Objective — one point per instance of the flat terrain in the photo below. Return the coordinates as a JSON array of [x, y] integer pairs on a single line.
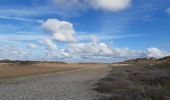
[[66, 84], [138, 79], [12, 70]]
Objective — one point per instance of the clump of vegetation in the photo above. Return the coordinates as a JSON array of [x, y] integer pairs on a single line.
[[165, 59], [140, 60], [148, 81], [28, 62], [6, 61], [164, 64]]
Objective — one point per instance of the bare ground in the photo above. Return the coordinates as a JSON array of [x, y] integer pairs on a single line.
[[63, 85]]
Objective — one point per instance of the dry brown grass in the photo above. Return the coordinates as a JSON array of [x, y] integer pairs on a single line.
[[11, 70]]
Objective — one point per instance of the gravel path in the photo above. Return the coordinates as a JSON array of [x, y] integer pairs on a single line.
[[71, 85]]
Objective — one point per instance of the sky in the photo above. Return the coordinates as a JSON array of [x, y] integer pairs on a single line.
[[84, 30]]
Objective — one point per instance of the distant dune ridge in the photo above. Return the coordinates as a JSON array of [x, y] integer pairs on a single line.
[[138, 60], [165, 58]]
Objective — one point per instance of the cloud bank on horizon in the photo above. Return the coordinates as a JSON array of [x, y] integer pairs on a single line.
[[82, 30]]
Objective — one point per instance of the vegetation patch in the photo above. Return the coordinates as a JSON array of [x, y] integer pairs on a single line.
[[140, 81]]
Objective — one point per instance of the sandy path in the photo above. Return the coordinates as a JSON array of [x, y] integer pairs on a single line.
[[70, 85]]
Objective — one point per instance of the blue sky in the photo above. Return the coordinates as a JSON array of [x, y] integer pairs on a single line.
[[84, 30]]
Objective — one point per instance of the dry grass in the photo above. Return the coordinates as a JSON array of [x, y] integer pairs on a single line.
[[20, 69], [136, 82]]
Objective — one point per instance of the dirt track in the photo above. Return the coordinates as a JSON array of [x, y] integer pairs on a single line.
[[68, 85]]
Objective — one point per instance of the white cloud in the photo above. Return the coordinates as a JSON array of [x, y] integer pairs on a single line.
[[66, 8], [60, 30], [168, 10], [155, 52], [98, 51], [110, 5], [21, 19], [94, 48], [18, 53], [90, 49], [74, 7], [49, 43], [32, 46], [126, 53], [101, 51]]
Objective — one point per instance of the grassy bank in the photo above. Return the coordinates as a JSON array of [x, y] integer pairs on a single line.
[[137, 81]]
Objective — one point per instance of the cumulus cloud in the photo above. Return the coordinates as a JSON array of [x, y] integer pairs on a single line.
[[60, 30], [155, 52], [110, 5], [94, 51], [88, 49], [101, 51], [93, 48], [168, 10], [49, 43], [126, 53], [32, 46], [97, 50]]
